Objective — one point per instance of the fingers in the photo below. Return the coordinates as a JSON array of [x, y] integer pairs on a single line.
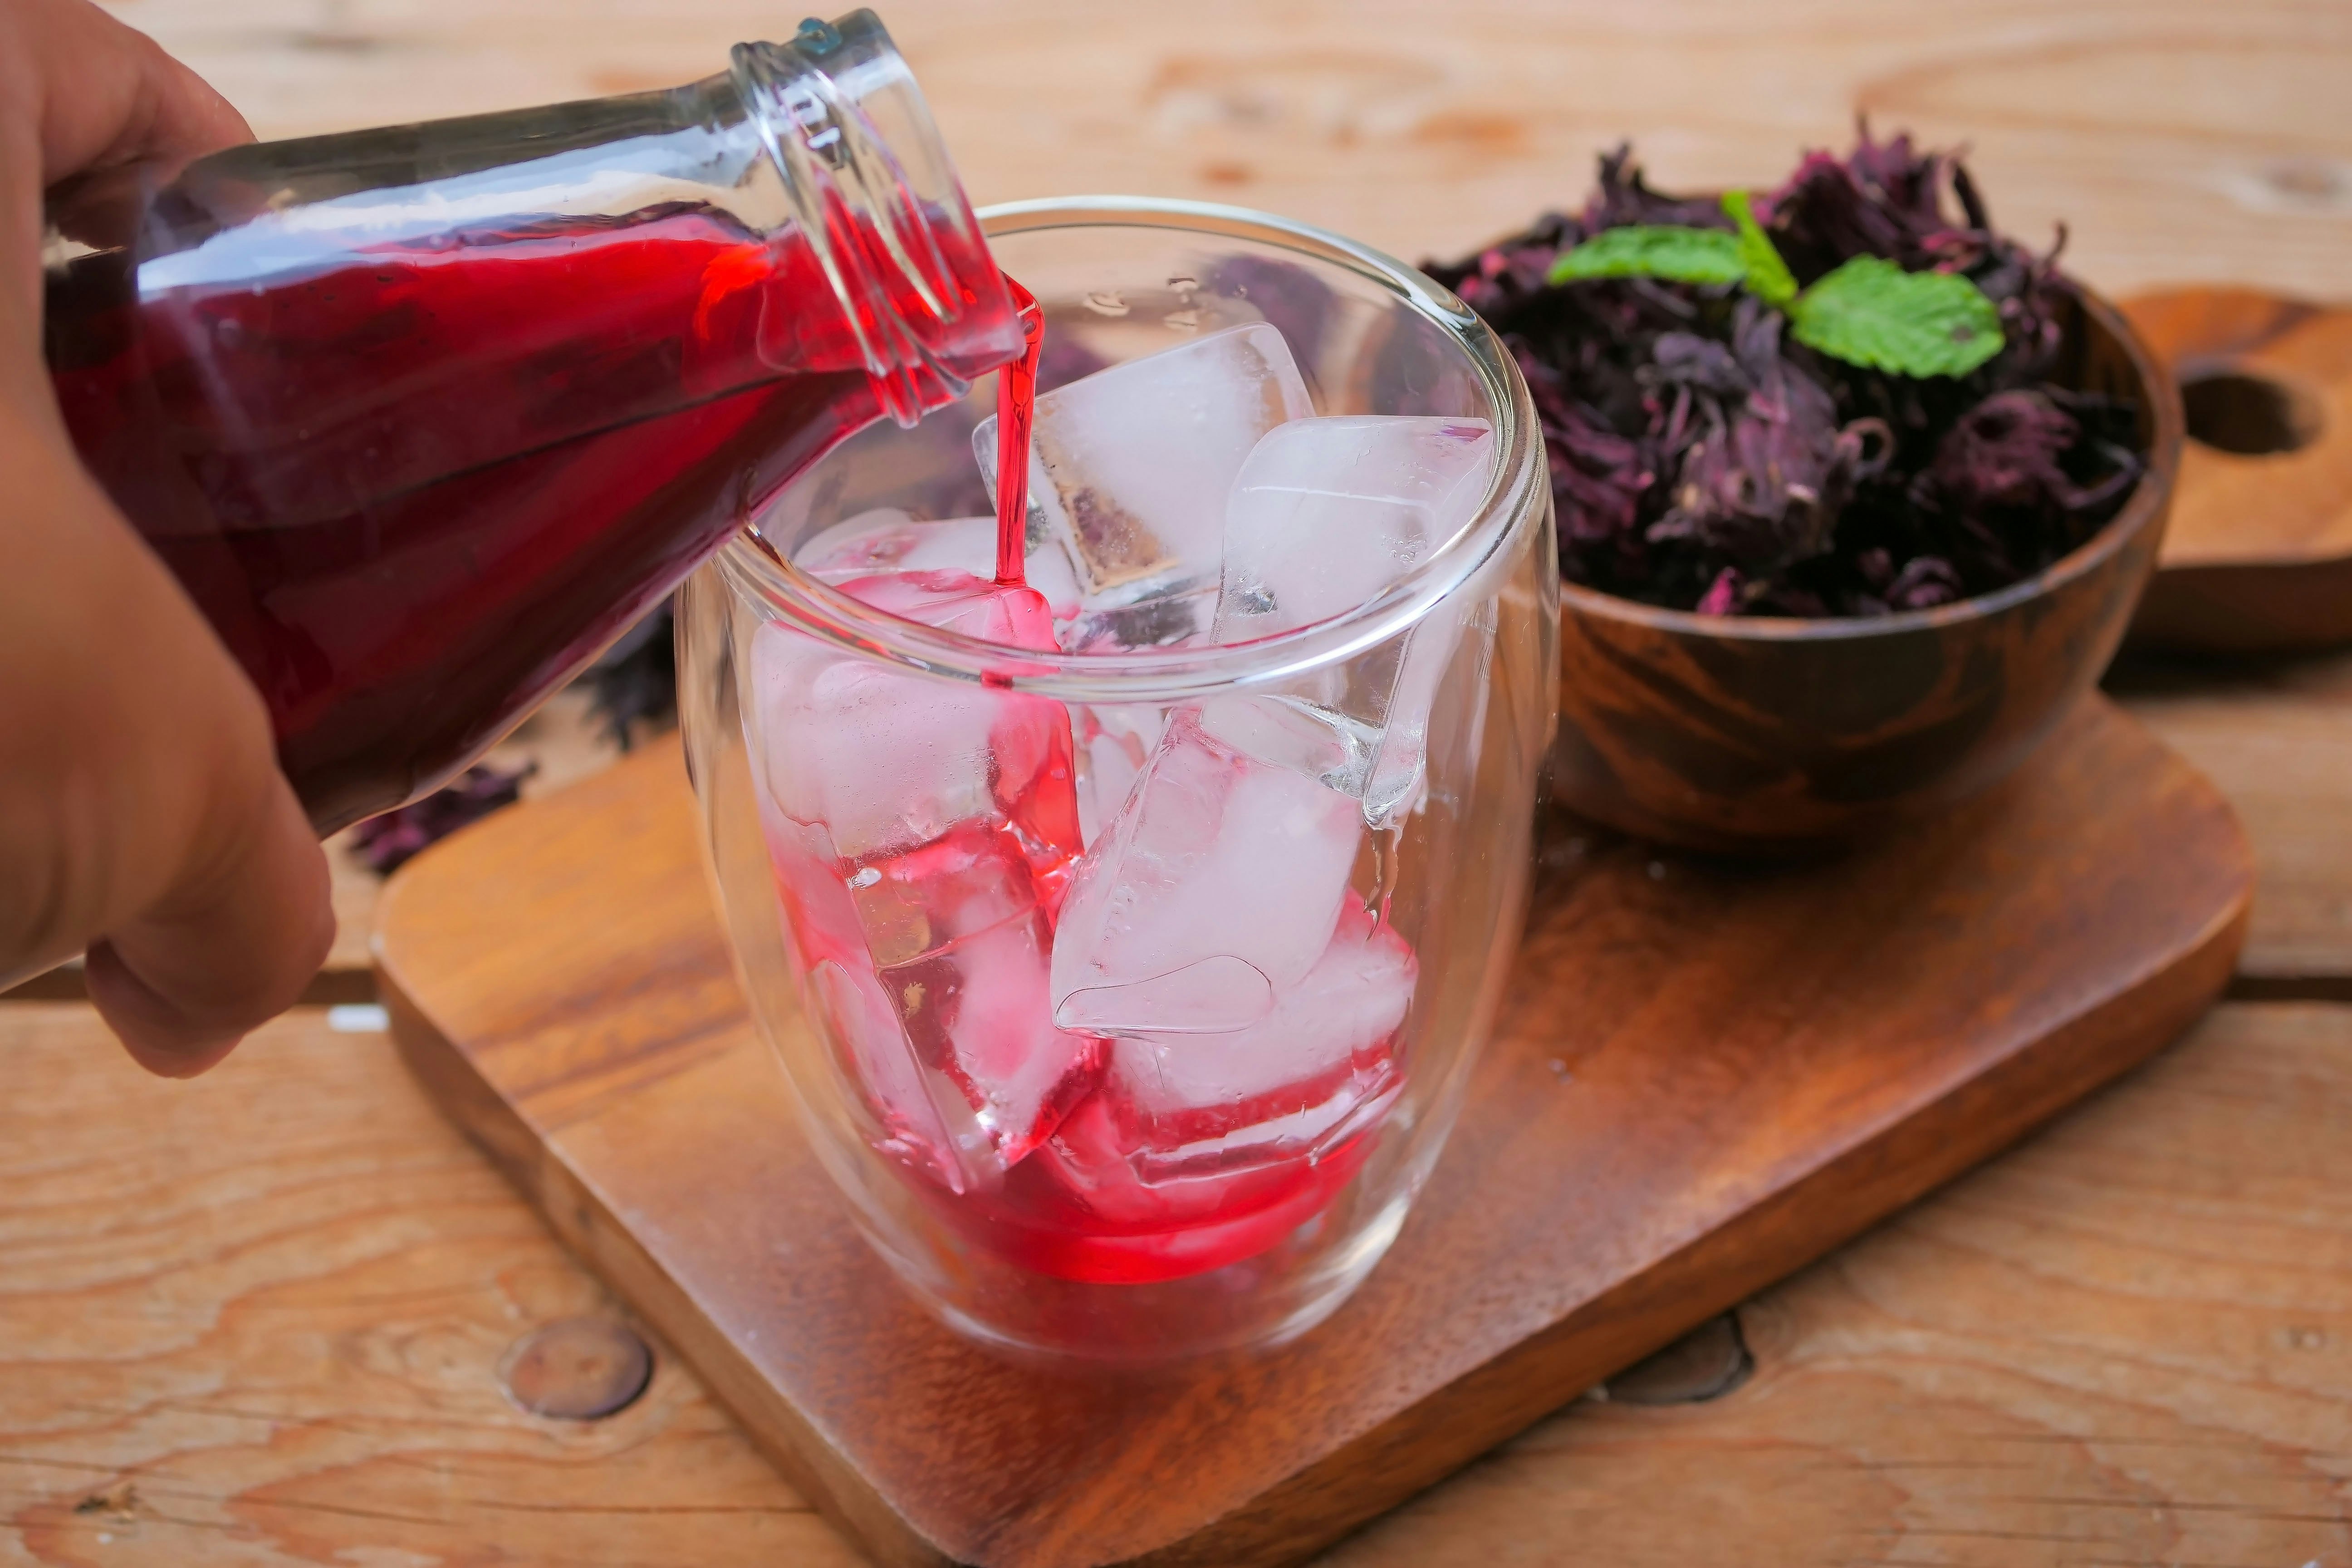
[[231, 943], [105, 93], [80, 91], [143, 814]]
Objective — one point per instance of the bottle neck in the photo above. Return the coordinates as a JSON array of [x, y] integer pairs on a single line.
[[873, 203]]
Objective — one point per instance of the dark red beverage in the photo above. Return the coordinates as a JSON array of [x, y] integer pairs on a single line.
[[925, 953], [424, 417], [1016, 415], [403, 568]]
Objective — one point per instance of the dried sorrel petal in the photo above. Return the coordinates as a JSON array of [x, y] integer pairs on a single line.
[[1701, 459], [1767, 468], [1063, 359], [1925, 581], [388, 842], [634, 681], [1299, 304]]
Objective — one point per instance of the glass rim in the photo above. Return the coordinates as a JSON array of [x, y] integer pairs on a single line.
[[1513, 503]]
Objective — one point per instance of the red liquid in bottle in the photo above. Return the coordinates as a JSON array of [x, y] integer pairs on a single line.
[[404, 569]]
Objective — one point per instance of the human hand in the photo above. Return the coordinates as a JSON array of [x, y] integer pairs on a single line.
[[143, 814]]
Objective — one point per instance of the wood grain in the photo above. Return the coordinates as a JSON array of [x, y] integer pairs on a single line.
[[558, 744], [2276, 736], [1704, 1078], [1921, 1384], [2126, 1342], [2259, 555], [256, 1320], [2178, 144]]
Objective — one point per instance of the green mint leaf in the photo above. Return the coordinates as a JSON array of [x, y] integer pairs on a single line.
[[1871, 312], [1769, 277], [1654, 251]]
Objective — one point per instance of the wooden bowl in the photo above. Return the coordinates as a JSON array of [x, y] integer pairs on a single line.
[[1783, 735], [2259, 555]]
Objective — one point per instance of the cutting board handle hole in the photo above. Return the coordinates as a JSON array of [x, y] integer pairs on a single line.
[[2238, 410]]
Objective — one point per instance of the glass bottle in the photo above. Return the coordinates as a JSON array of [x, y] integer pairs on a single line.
[[424, 417]]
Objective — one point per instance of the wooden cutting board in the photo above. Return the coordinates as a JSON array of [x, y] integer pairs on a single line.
[[2258, 555], [1705, 1076]]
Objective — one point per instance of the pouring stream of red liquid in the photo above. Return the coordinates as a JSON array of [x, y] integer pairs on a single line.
[[1016, 411]]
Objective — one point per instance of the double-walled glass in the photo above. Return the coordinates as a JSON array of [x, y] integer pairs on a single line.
[[1086, 1245]]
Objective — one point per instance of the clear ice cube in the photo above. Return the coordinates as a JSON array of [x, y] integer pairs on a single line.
[[1398, 775], [886, 539], [962, 947], [1212, 890], [923, 833], [1327, 512], [886, 759], [925, 1119], [1114, 740], [1220, 1216], [1318, 1070], [929, 969], [1172, 619], [1323, 516], [1130, 467]]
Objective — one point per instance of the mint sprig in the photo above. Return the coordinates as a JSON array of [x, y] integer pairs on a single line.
[[1867, 311], [1769, 277], [1873, 313], [1655, 251]]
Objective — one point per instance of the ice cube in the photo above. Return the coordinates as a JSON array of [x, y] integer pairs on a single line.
[[925, 1120], [1315, 739], [1315, 1072], [1114, 741], [1159, 620], [1211, 891], [962, 947], [929, 970], [1397, 777], [884, 758], [1192, 1222], [923, 831], [886, 539], [1326, 514], [1131, 467]]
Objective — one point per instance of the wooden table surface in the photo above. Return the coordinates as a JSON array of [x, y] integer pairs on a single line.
[[259, 1319]]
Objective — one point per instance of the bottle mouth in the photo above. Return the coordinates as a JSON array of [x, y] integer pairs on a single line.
[[1515, 501], [874, 199]]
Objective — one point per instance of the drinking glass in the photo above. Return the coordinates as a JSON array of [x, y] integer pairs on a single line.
[[1077, 1235]]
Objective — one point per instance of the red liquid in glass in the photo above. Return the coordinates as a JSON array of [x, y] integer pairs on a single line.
[[405, 560], [1070, 1206]]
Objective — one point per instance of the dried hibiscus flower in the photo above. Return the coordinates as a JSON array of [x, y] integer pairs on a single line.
[[388, 842], [1831, 400]]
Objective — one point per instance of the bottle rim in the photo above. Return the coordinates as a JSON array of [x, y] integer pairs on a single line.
[[1517, 500], [873, 213]]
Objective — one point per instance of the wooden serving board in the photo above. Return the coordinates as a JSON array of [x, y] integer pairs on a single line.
[[2258, 555], [1704, 1078]]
